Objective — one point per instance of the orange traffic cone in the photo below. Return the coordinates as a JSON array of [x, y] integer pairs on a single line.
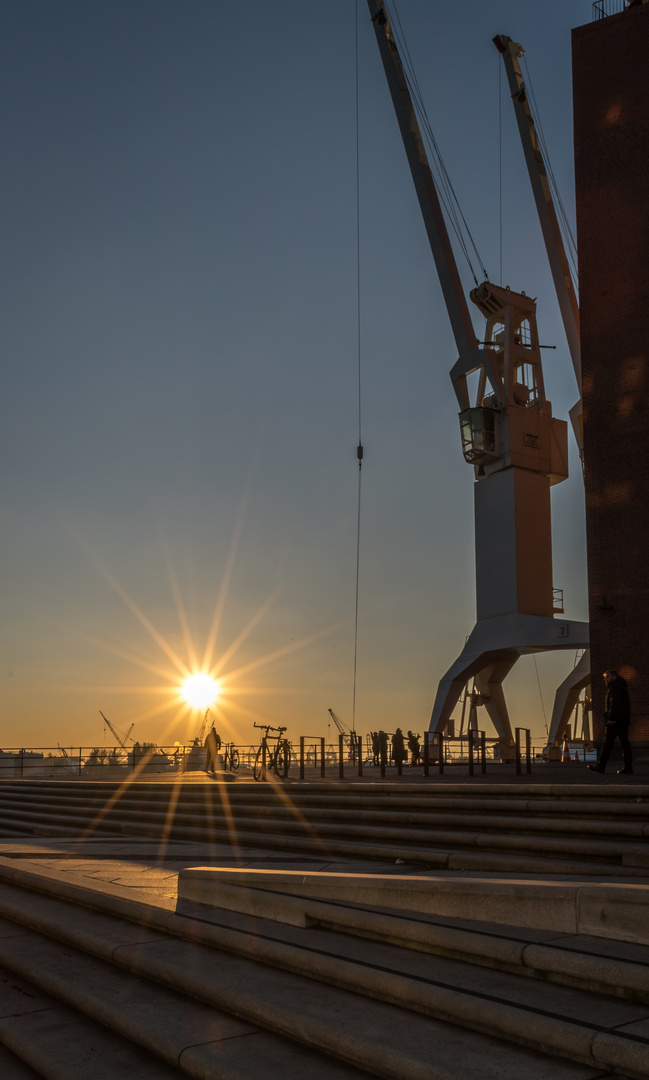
[[566, 751]]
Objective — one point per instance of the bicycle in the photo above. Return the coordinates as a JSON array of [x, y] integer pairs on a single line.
[[278, 757], [231, 757]]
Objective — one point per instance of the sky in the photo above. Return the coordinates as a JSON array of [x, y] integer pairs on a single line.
[[184, 298]]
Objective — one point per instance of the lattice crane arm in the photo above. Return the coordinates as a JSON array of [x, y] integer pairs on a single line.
[[454, 297]]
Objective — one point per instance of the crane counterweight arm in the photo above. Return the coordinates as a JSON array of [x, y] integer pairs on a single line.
[[429, 202]]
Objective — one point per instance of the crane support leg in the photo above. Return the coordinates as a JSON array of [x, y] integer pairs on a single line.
[[566, 698], [491, 651]]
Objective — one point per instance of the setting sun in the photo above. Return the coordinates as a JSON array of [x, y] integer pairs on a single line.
[[200, 691]]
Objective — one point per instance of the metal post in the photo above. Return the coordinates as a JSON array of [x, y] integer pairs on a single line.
[[263, 759], [384, 756], [285, 754], [301, 757], [426, 754], [341, 764], [360, 756], [80, 749], [322, 757], [483, 752], [22, 760], [440, 743], [528, 750], [470, 735], [518, 751]]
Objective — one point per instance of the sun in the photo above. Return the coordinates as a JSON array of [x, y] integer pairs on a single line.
[[200, 691]]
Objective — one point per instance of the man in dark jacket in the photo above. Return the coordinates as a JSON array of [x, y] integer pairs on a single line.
[[617, 715]]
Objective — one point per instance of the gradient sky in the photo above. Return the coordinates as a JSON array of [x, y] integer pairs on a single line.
[[180, 407]]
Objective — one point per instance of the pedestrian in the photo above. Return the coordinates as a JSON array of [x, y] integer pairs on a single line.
[[414, 748], [383, 747], [376, 747], [617, 717], [399, 754], [212, 747]]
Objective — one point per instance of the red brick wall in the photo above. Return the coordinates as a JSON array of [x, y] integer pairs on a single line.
[[611, 117]]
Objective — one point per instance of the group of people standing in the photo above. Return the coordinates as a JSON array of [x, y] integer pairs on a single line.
[[399, 752]]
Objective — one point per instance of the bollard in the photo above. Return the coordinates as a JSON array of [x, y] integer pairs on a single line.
[[341, 764], [360, 755], [322, 757], [80, 749], [384, 758], [517, 750], [301, 757], [263, 760], [440, 744], [287, 757], [483, 752], [470, 734], [426, 755], [528, 750]]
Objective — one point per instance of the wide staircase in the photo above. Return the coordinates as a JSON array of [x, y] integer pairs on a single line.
[[505, 828], [273, 984]]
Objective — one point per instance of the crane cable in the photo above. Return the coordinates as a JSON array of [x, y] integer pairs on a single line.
[[359, 450]]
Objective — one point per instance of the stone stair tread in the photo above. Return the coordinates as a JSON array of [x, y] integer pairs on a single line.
[[59, 1043], [606, 966], [183, 1032], [12, 1068], [366, 1033]]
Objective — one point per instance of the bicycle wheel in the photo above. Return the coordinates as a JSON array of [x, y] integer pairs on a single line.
[[256, 772], [282, 761], [234, 760]]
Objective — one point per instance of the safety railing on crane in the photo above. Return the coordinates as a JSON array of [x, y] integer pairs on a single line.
[[603, 8]]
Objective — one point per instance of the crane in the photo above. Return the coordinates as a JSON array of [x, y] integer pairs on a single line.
[[568, 692], [343, 728], [518, 450], [201, 734], [121, 742]]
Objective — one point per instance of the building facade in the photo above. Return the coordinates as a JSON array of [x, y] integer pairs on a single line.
[[611, 132]]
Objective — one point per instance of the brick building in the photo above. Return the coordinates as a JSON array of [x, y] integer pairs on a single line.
[[611, 128]]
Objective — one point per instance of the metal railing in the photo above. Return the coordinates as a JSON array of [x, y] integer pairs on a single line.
[[310, 757], [603, 8]]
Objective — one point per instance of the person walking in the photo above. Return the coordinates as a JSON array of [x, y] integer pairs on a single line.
[[399, 753], [617, 716], [376, 748], [414, 748], [212, 747]]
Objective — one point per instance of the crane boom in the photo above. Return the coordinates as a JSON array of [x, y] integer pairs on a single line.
[[457, 307], [342, 727], [511, 51], [120, 742]]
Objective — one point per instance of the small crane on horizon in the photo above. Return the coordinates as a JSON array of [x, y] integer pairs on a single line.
[[120, 741]]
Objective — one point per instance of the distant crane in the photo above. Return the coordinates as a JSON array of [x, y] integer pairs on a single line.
[[347, 733], [343, 728], [121, 742], [201, 734]]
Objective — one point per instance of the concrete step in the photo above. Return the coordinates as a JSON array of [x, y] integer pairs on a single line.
[[328, 823], [391, 1022], [534, 929], [55, 1042]]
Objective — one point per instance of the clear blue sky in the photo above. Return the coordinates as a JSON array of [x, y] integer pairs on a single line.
[[180, 353]]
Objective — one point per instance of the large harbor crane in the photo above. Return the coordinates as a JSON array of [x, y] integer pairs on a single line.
[[518, 450]]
